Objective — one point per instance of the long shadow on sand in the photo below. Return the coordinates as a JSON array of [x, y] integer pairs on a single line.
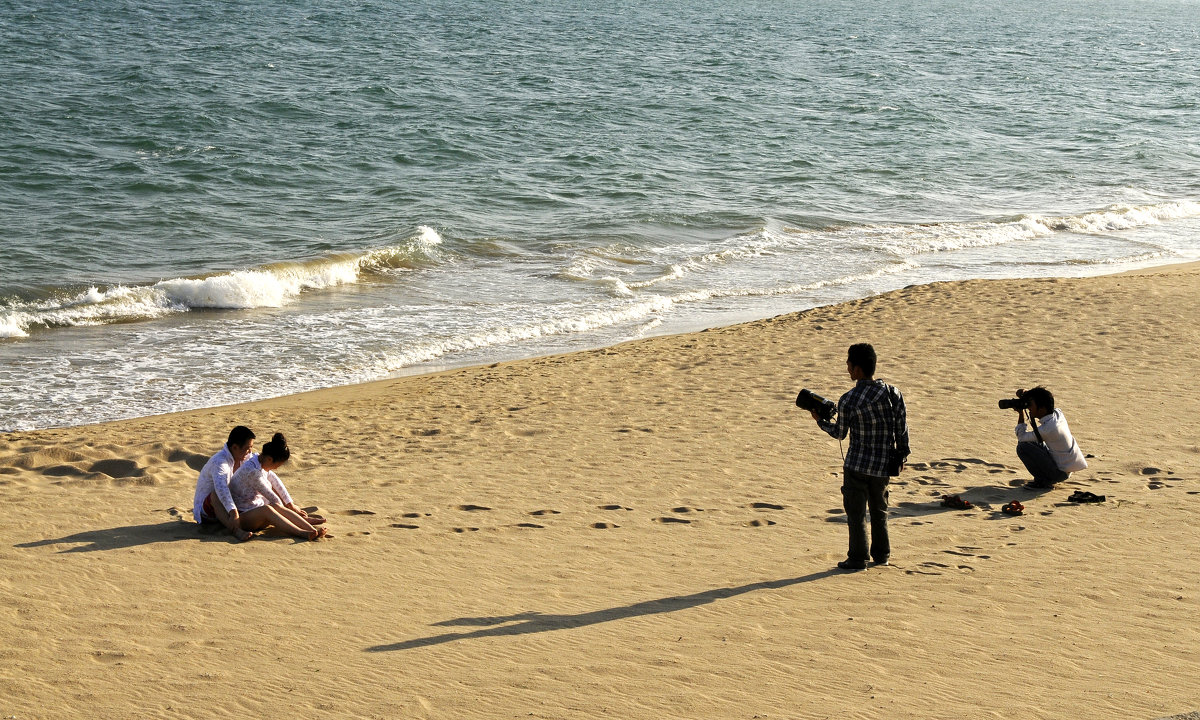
[[982, 496], [131, 536], [529, 623]]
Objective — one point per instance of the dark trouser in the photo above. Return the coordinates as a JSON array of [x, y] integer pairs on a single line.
[[860, 492], [1040, 463]]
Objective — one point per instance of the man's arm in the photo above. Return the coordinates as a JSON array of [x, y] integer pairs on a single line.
[[221, 480], [840, 426]]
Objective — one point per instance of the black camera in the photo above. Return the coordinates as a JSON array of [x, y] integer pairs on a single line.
[[808, 400], [1020, 402]]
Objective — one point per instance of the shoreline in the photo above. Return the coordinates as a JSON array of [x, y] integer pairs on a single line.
[[474, 364], [646, 530]]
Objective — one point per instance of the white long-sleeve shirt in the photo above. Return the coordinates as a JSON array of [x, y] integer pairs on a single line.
[[252, 487], [1058, 439], [215, 476]]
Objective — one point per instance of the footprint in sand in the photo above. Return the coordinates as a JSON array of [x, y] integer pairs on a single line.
[[760, 523], [405, 526], [529, 525], [961, 553], [668, 520], [931, 569], [545, 512], [605, 525], [472, 508], [466, 529], [356, 512], [685, 509], [414, 515], [614, 507], [929, 480], [955, 466], [764, 506], [193, 460]]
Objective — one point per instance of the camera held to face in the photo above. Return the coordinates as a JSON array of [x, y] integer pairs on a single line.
[[1020, 402], [808, 400]]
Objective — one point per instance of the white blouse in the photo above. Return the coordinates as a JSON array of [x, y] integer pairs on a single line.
[[253, 487]]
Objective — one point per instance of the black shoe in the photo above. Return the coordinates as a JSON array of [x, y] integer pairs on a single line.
[[1038, 485], [880, 563], [852, 565]]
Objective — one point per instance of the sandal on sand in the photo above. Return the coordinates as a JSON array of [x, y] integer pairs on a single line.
[[1013, 508], [954, 501], [1082, 496]]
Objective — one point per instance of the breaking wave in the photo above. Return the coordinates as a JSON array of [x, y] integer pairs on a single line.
[[268, 286]]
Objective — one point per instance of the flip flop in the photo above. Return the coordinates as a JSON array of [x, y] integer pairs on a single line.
[[954, 501], [1081, 496], [1013, 508]]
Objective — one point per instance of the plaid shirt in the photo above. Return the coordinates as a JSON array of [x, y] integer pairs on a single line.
[[868, 413]]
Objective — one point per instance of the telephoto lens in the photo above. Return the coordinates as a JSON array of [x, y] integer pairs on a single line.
[[808, 400]]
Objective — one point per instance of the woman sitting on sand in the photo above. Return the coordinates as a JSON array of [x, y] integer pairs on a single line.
[[263, 501]]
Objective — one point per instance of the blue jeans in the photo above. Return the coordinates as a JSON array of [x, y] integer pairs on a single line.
[[1040, 463], [860, 492]]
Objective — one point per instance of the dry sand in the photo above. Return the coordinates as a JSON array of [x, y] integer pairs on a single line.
[[645, 531]]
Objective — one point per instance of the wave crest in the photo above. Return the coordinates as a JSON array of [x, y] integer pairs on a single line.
[[272, 286]]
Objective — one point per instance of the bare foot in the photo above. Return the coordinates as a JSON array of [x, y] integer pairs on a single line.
[[242, 535], [323, 533], [314, 519]]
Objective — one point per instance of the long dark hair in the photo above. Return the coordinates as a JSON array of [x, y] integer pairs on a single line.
[[277, 449]]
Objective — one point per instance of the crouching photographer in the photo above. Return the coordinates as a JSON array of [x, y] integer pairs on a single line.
[[874, 416], [1045, 443]]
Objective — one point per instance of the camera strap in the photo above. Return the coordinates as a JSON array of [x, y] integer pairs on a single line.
[[1036, 432]]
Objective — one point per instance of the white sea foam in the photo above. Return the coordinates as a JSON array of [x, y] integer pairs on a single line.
[[648, 309], [11, 325], [909, 240], [266, 287]]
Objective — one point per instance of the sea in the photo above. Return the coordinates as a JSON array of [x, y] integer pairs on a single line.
[[205, 203]]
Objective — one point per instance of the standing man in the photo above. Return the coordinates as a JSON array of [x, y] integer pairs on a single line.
[[874, 416], [1049, 452], [213, 503]]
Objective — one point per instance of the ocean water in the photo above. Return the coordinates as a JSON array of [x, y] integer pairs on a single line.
[[203, 203]]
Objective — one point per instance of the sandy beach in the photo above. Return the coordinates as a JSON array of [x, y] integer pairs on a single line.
[[645, 531]]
